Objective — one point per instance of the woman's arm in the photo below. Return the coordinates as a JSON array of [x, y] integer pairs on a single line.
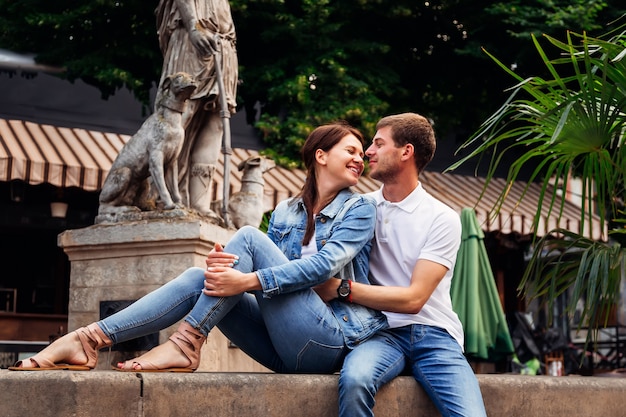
[[348, 238], [352, 234]]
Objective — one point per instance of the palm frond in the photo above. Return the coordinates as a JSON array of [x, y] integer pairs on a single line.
[[570, 124], [565, 263]]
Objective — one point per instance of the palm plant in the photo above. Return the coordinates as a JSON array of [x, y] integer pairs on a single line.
[[569, 124]]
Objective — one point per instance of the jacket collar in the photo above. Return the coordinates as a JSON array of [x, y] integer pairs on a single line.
[[331, 209]]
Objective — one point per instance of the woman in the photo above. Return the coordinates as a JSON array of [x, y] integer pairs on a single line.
[[264, 300]]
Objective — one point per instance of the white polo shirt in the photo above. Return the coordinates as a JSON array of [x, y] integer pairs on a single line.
[[418, 227]]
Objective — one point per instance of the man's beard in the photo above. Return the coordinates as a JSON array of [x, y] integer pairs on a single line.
[[385, 173]]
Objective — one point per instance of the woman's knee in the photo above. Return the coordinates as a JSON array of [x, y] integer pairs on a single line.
[[247, 233], [245, 240], [193, 272], [193, 276]]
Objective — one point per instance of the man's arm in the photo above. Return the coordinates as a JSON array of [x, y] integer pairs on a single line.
[[425, 277]]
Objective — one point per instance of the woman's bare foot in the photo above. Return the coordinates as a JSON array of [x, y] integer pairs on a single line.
[[76, 351], [67, 350], [161, 358]]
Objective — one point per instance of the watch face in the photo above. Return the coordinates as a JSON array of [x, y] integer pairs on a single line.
[[344, 289]]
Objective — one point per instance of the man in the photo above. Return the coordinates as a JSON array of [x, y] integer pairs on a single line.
[[190, 33], [411, 264]]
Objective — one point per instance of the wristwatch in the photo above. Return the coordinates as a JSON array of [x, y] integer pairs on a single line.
[[343, 292]]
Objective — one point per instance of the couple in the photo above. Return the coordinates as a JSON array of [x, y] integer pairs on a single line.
[[271, 294]]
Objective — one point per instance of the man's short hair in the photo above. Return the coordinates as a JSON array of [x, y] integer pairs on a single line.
[[414, 129]]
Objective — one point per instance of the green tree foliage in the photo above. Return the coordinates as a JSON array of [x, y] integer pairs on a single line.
[[108, 44], [306, 62]]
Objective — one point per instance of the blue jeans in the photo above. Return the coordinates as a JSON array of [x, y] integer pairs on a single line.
[[295, 332], [433, 357]]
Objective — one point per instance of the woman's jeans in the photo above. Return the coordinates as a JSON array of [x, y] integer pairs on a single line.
[[295, 332], [432, 356]]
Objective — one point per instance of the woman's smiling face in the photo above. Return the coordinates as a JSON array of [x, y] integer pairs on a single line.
[[344, 161]]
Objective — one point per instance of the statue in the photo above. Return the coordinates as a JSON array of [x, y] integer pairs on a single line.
[[147, 165], [246, 205], [197, 37], [190, 33]]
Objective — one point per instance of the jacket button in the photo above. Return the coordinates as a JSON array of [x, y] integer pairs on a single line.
[[345, 318], [323, 220], [323, 242]]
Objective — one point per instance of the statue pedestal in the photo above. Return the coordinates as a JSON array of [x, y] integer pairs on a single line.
[[124, 261]]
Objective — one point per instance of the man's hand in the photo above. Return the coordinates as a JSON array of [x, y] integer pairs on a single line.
[[217, 257], [328, 289]]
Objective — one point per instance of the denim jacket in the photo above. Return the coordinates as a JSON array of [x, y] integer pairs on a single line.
[[343, 240]]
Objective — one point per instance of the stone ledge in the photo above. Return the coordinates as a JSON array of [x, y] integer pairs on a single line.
[[112, 394]]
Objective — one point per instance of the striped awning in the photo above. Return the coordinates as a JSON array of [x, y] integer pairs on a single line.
[[72, 157], [518, 210], [60, 156]]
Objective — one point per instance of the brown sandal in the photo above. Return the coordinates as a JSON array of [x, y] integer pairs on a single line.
[[92, 339], [41, 364], [187, 339]]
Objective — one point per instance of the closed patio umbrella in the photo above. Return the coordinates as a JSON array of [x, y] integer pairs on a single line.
[[475, 296]]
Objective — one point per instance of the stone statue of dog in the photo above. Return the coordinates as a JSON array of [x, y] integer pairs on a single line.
[[149, 160], [245, 207]]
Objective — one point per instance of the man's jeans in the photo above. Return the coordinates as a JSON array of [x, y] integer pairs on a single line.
[[295, 332], [433, 357]]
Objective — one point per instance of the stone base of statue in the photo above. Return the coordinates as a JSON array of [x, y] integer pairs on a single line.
[[113, 264]]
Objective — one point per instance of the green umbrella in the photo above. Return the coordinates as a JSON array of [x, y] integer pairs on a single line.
[[475, 296]]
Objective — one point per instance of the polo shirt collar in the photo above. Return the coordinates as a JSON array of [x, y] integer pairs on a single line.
[[410, 202]]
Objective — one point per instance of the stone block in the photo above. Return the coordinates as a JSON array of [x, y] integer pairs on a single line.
[[115, 261], [226, 394], [79, 394]]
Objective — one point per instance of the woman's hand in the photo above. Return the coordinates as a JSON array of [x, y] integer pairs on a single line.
[[217, 257], [226, 281]]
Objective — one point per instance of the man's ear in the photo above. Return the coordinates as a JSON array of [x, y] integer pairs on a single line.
[[408, 151], [320, 156]]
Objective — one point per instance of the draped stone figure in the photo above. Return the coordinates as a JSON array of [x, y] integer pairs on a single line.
[[190, 32]]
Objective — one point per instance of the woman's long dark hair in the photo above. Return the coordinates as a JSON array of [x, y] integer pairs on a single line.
[[324, 137]]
